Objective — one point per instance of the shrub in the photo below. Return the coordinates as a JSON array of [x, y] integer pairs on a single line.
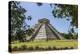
[[30, 48], [49, 48], [23, 47], [54, 48], [15, 48], [60, 48], [65, 48], [41, 49], [37, 48], [71, 48]]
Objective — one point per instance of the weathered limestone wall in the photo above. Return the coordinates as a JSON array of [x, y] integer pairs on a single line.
[[42, 33]]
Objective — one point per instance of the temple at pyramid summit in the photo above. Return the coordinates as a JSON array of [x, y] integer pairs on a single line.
[[45, 31]]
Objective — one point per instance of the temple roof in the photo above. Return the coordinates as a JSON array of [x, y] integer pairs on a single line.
[[43, 20]]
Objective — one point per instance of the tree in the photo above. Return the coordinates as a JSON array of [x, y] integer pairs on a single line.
[[17, 17], [21, 35], [39, 4], [64, 10], [29, 17], [30, 31]]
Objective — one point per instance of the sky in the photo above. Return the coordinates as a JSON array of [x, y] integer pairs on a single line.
[[44, 11]]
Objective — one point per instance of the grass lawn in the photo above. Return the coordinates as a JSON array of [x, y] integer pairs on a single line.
[[45, 44]]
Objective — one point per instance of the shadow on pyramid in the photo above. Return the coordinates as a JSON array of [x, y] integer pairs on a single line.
[[45, 31]]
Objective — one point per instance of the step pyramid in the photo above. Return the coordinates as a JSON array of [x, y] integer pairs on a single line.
[[45, 31]]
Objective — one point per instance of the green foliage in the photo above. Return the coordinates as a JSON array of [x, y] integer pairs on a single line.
[[15, 49], [23, 47], [39, 4], [75, 36], [17, 20], [29, 17], [17, 16], [37, 48], [70, 36], [12, 38], [30, 31], [21, 36], [63, 11], [45, 45]]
